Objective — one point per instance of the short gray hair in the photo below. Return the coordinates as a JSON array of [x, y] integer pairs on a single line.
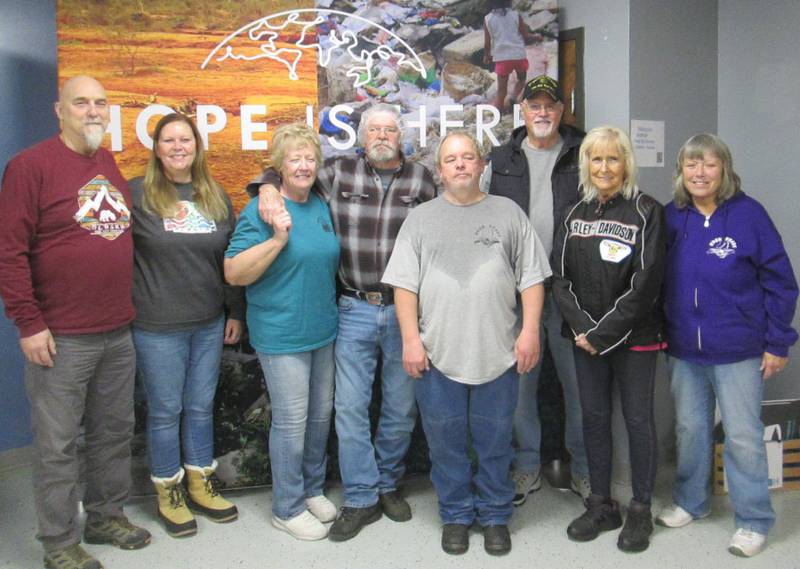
[[373, 110], [696, 148]]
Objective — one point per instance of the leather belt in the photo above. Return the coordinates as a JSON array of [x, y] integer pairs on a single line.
[[376, 298]]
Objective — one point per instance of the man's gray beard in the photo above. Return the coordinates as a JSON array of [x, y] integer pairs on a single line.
[[382, 154], [93, 135], [540, 132]]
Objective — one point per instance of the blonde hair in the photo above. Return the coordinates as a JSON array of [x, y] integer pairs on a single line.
[[161, 196], [291, 137], [696, 148], [607, 135]]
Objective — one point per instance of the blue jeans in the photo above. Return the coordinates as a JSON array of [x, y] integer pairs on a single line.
[[737, 387], [456, 415], [634, 373], [179, 371], [370, 468], [301, 396], [527, 427]]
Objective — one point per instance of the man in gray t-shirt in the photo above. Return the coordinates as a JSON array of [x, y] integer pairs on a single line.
[[458, 266]]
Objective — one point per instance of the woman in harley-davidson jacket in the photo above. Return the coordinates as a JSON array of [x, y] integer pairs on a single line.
[[610, 257]]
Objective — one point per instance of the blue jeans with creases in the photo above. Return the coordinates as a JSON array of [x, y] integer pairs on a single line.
[[455, 415], [738, 388], [179, 370], [527, 427], [300, 390], [371, 467]]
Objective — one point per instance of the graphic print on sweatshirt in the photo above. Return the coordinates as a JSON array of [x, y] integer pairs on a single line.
[[188, 219], [721, 247], [102, 209]]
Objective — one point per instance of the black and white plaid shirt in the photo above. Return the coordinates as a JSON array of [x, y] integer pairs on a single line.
[[366, 218]]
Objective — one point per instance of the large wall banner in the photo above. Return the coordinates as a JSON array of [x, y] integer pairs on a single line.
[[242, 68]]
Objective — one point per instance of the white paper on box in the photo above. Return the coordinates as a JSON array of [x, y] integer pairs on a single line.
[[774, 443]]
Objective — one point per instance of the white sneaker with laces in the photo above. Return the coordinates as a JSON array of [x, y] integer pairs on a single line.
[[746, 543], [322, 508], [581, 486], [525, 483], [303, 526], [673, 516]]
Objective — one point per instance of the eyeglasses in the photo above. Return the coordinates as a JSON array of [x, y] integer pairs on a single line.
[[382, 129], [548, 108]]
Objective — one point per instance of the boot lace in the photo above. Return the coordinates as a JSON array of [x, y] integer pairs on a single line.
[[177, 496]]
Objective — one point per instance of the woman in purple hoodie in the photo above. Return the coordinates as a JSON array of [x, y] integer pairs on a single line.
[[730, 296]]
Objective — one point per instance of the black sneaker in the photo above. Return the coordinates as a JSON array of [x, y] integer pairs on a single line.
[[635, 535], [601, 515], [395, 507], [351, 520], [496, 540], [455, 538]]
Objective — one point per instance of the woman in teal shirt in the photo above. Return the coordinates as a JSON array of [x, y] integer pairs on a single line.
[[289, 270]]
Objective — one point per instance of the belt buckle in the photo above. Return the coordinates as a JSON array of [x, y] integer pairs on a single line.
[[374, 297]]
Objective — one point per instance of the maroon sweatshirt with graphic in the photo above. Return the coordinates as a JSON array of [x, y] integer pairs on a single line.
[[66, 251]]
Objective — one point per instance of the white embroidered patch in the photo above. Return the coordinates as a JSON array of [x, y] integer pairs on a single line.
[[614, 251]]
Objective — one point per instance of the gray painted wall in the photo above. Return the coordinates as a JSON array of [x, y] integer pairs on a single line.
[[673, 73], [759, 118], [28, 76], [606, 61]]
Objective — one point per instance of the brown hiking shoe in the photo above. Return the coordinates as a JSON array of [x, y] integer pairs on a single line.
[[71, 557], [115, 531]]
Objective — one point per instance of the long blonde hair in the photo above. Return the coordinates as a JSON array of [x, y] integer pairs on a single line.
[[617, 137], [160, 194]]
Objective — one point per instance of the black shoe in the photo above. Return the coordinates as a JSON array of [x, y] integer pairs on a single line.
[[635, 535], [601, 515], [496, 540], [395, 507], [351, 520], [455, 538]]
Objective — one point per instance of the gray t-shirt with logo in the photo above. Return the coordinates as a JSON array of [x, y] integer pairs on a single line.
[[466, 264]]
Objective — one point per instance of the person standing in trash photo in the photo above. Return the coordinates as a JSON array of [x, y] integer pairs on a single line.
[[504, 36]]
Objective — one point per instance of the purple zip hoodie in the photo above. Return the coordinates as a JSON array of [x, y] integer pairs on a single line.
[[730, 291]]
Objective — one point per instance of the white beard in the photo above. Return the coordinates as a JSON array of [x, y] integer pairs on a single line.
[[381, 154], [541, 131], [93, 135]]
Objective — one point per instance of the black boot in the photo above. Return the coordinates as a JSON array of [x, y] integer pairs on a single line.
[[635, 536], [602, 514]]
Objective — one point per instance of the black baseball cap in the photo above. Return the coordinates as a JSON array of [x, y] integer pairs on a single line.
[[543, 84]]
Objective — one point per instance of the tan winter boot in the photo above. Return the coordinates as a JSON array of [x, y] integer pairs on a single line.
[[204, 496], [178, 519]]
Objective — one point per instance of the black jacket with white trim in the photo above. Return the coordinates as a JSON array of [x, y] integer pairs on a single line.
[[609, 265]]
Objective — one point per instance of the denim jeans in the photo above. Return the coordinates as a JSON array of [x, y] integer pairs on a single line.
[[634, 374], [91, 382], [527, 427], [455, 415], [301, 396], [179, 371], [737, 387], [370, 468]]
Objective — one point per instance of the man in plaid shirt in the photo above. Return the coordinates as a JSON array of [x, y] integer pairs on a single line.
[[370, 196]]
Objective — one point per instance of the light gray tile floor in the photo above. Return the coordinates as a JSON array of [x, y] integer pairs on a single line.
[[538, 534]]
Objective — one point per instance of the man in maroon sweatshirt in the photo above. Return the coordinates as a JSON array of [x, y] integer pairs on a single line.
[[66, 257]]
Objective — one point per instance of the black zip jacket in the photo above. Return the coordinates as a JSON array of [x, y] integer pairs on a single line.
[[610, 261], [510, 172]]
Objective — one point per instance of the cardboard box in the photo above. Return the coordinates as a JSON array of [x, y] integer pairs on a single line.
[[783, 456]]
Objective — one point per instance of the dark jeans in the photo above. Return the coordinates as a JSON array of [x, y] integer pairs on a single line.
[[634, 373]]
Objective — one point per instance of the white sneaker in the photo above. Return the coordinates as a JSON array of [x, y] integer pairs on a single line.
[[581, 486], [525, 483], [303, 526], [673, 516], [746, 543], [322, 508]]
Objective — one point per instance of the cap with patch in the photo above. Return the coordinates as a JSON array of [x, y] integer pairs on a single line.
[[543, 84]]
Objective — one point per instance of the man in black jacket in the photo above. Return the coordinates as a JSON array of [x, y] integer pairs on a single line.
[[538, 169]]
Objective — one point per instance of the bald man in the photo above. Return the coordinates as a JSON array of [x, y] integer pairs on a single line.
[[66, 257]]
